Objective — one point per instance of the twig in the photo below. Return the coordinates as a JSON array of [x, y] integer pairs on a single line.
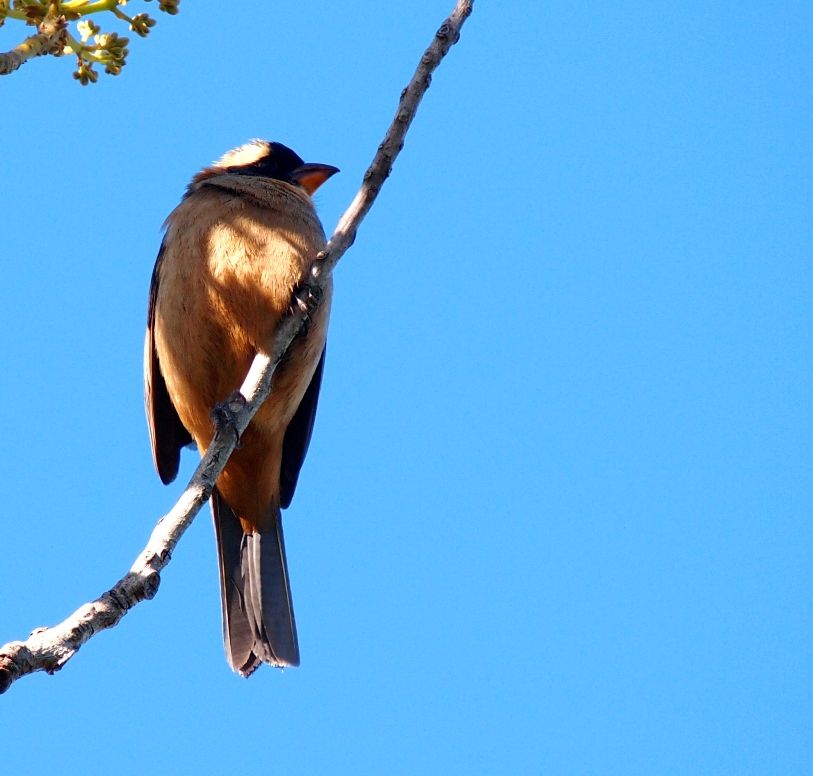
[[50, 37], [48, 649]]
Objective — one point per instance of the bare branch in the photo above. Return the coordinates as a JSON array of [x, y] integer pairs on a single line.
[[48, 649]]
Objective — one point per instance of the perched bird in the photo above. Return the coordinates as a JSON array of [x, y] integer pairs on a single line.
[[234, 249]]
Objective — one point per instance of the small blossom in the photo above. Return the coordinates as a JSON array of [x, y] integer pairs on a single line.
[[140, 24], [86, 29]]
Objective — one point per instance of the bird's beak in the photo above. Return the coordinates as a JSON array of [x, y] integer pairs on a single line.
[[311, 176]]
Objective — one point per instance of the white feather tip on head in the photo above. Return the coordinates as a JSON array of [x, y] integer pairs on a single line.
[[248, 153]]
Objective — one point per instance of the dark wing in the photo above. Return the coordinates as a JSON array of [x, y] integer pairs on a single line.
[[167, 434], [298, 437]]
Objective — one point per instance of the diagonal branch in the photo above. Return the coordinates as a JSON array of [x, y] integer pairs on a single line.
[[50, 38], [48, 649]]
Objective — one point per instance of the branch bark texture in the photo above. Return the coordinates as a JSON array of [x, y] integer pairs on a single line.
[[48, 649], [50, 38]]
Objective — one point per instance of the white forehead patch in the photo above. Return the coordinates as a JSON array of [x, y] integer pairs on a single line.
[[249, 153]]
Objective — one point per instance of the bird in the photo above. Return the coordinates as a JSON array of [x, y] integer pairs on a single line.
[[233, 251]]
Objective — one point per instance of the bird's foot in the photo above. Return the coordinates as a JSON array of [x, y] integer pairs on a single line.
[[307, 296], [224, 415]]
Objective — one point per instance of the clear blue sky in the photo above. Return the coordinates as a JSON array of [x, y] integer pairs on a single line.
[[556, 515]]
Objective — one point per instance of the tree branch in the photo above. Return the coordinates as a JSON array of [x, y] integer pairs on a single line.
[[48, 649], [50, 37]]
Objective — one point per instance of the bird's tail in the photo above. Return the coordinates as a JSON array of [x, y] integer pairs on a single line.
[[258, 614]]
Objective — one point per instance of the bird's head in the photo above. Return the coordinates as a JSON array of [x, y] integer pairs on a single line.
[[265, 159]]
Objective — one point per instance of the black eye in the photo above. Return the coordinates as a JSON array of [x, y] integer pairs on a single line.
[[265, 168]]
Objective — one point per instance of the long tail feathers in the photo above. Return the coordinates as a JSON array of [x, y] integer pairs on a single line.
[[258, 615]]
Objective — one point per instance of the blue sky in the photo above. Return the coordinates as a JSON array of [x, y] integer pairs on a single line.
[[555, 516]]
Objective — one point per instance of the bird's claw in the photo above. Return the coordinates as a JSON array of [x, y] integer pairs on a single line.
[[224, 415], [307, 298]]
